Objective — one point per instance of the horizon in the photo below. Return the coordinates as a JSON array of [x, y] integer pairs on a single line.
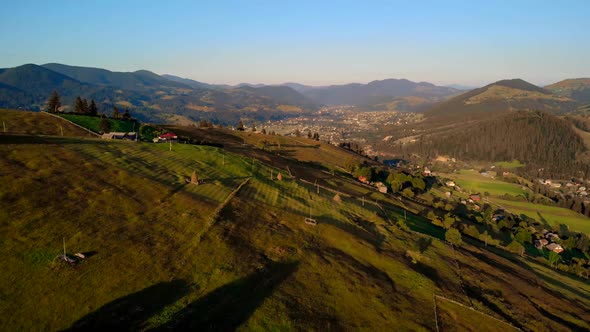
[[267, 43]]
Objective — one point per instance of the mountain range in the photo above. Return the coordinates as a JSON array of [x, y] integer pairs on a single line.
[[167, 98]]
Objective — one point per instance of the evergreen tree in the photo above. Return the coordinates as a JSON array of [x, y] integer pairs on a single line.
[[297, 133], [240, 126], [85, 106], [253, 127], [309, 135], [78, 105], [92, 109], [116, 113], [126, 115], [53, 103]]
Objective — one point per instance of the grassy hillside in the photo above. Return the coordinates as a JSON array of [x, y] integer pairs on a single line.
[[234, 251], [32, 123], [93, 123]]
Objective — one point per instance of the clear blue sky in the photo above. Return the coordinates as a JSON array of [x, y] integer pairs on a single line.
[[313, 42]]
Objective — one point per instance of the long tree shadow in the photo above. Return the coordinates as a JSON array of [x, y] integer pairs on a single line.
[[130, 312], [229, 306]]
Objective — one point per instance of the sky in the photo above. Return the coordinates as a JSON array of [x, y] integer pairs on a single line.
[[317, 42]]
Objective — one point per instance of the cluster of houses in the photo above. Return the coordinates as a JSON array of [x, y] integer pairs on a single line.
[[548, 241], [567, 187], [381, 187]]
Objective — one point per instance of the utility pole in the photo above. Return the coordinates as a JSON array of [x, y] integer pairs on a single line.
[[4, 125], [271, 174], [170, 145], [363, 199], [65, 247], [223, 160], [62, 129]]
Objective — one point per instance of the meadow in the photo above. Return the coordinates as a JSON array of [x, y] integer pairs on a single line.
[[166, 254], [93, 123]]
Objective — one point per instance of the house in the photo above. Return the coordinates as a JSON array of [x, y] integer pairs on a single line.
[[448, 194], [381, 187], [552, 237], [426, 172], [475, 197], [505, 173], [539, 244], [554, 247], [363, 179], [450, 183], [120, 135], [169, 136]]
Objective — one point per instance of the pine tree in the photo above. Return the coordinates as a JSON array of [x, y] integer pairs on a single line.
[[309, 135], [53, 103], [85, 106], [297, 133], [92, 109], [116, 113], [126, 116], [240, 126], [78, 105]]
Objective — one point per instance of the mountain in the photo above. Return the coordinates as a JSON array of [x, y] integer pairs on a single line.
[[28, 86], [148, 96], [577, 89], [137, 81], [192, 83], [539, 139], [501, 96], [363, 94]]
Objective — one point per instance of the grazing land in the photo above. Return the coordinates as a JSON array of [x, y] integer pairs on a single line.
[[163, 253]]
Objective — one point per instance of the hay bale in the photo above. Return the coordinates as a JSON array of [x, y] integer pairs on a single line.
[[337, 198], [195, 178]]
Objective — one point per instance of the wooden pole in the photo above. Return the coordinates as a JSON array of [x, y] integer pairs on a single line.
[[170, 145], [62, 129], [64, 247], [4, 125]]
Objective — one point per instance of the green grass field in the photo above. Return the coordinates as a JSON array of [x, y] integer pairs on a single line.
[[93, 123], [509, 164], [552, 214], [474, 182], [36, 123], [164, 254]]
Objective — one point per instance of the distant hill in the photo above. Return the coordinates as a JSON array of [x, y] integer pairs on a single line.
[[501, 96], [576, 88], [138, 80], [539, 139], [148, 96], [192, 83], [363, 94]]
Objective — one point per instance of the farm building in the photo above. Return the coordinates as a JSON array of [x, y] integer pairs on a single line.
[[120, 135], [554, 247], [539, 244], [169, 136], [475, 197], [381, 187]]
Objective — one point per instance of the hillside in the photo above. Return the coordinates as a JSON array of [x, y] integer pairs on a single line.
[[234, 252], [539, 139], [148, 96], [139, 80], [577, 89], [362, 94], [501, 96]]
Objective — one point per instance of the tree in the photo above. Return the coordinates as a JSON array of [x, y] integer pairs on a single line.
[[553, 258], [116, 113], [78, 105], [515, 247], [408, 193], [240, 126], [253, 127], [454, 237], [309, 135], [53, 103], [263, 131], [126, 116], [485, 237], [297, 133], [92, 109], [85, 106], [449, 221], [105, 125], [316, 136]]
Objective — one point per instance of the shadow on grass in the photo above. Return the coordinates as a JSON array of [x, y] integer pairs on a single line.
[[130, 312], [229, 306]]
